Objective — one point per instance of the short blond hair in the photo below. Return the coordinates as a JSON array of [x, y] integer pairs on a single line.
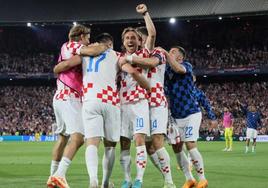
[[128, 29], [78, 30]]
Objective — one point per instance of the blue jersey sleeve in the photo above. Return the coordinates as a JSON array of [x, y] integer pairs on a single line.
[[203, 101], [188, 67]]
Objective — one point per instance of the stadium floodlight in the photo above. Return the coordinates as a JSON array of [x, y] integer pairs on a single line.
[[255, 74], [29, 24], [205, 76], [220, 18], [74, 23], [172, 20]]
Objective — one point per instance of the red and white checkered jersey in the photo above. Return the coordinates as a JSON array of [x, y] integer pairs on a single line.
[[156, 78], [69, 49], [100, 76], [64, 92], [130, 90], [69, 81]]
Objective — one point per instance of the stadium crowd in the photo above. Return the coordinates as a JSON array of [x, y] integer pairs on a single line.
[[33, 111], [200, 58], [34, 50]]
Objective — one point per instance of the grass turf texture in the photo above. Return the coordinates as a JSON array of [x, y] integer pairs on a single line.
[[26, 165]]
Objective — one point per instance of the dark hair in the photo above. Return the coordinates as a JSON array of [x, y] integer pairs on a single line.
[[142, 30], [181, 50], [104, 37]]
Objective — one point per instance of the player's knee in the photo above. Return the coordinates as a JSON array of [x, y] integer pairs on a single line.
[[125, 143], [140, 139], [108, 143], [149, 148], [158, 141], [190, 145]]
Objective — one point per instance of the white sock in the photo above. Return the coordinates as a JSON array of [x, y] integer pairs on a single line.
[[92, 164], [63, 167], [141, 160], [54, 167], [107, 164], [184, 164], [197, 161], [164, 159], [189, 158], [246, 149], [125, 161], [155, 160], [253, 149]]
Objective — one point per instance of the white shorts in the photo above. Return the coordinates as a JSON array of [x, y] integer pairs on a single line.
[[68, 115], [158, 120], [135, 119], [186, 129], [251, 133], [101, 120]]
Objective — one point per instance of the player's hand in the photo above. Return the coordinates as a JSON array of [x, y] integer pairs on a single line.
[[122, 61], [141, 8], [162, 50]]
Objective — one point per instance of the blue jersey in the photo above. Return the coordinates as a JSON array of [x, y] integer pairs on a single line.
[[203, 102], [179, 88], [253, 118]]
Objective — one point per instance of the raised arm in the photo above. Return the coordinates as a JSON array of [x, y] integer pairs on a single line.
[[150, 42], [67, 64], [204, 102]]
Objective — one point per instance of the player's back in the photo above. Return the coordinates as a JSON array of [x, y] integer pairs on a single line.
[[179, 89], [99, 77]]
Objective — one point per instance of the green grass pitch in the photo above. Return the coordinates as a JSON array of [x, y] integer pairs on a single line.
[[26, 165]]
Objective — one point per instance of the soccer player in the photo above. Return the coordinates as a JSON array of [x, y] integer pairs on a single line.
[[184, 106], [228, 122], [134, 111], [67, 105], [157, 100], [182, 160], [253, 123], [101, 110], [135, 99]]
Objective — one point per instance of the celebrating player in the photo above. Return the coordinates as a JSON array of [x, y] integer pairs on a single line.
[[67, 105], [182, 160], [253, 123], [184, 106]]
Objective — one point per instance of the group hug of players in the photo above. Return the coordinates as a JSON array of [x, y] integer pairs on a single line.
[[104, 95]]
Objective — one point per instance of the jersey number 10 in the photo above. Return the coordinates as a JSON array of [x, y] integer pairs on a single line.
[[94, 63]]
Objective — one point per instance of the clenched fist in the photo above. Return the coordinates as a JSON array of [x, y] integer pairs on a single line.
[[141, 8]]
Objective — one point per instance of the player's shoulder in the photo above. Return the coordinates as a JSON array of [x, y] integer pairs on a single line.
[[187, 63], [158, 53], [73, 44]]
